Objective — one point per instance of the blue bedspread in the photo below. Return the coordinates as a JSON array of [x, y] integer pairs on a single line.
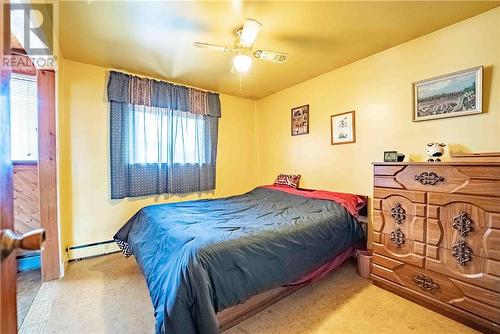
[[200, 257]]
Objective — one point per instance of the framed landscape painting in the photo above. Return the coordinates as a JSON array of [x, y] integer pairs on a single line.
[[450, 95], [343, 128], [300, 120]]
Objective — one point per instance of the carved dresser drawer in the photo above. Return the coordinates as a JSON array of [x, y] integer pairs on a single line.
[[440, 178], [412, 227], [410, 251], [470, 221], [482, 302], [479, 271], [399, 225], [436, 237]]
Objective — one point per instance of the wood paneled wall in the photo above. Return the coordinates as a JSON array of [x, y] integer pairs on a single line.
[[26, 197]]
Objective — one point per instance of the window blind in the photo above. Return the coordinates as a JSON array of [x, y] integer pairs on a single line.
[[24, 118]]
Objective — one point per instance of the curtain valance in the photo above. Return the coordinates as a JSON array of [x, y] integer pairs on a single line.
[[125, 88]]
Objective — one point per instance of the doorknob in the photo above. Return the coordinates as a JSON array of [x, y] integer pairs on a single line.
[[10, 241]]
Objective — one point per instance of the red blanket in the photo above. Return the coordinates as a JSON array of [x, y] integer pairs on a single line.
[[350, 202]]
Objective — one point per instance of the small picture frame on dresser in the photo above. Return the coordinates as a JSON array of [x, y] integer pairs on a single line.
[[390, 156]]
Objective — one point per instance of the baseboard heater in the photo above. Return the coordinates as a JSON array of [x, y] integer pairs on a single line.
[[80, 252]]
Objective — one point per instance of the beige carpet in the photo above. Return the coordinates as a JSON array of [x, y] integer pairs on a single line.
[[108, 295], [28, 283]]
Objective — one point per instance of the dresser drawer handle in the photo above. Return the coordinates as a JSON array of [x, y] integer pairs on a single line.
[[398, 213], [463, 224], [462, 252], [429, 178], [425, 283], [398, 237], [399, 216]]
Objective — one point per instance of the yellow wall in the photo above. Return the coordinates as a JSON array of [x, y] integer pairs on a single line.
[[379, 89], [87, 213], [254, 136]]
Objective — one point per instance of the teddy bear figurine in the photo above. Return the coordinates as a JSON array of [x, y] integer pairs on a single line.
[[435, 151]]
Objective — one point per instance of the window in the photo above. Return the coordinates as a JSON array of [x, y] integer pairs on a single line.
[[24, 118], [163, 137], [152, 129]]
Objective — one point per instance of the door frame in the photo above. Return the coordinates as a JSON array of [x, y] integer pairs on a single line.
[[47, 168], [47, 173]]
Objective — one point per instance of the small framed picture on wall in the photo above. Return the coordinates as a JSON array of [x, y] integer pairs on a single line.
[[343, 128], [300, 120]]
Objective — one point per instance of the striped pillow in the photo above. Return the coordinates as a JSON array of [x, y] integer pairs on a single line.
[[284, 180]]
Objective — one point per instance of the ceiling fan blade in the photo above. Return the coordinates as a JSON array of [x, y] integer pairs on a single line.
[[212, 47], [275, 57], [251, 29]]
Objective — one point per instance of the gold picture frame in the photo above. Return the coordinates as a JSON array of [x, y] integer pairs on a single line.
[[343, 128], [451, 95]]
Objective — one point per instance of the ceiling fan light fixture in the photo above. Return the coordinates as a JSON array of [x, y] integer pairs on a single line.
[[242, 63], [249, 33], [243, 50]]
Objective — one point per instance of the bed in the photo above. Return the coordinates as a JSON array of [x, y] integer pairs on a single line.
[[202, 257]]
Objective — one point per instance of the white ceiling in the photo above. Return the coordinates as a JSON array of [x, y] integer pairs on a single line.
[[155, 38]]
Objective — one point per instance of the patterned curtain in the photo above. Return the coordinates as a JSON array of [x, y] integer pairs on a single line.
[[163, 137]]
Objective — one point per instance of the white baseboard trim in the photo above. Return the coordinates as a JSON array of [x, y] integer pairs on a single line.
[[90, 250], [64, 264]]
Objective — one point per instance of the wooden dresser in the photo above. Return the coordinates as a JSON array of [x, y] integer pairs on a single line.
[[436, 237]]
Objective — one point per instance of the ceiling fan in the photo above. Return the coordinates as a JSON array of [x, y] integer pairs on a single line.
[[245, 37]]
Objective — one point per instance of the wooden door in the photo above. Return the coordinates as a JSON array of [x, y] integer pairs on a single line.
[[8, 321], [9, 241]]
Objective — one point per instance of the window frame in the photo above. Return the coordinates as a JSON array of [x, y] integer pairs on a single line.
[[198, 126], [32, 79]]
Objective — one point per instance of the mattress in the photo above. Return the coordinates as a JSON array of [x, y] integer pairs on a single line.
[[201, 257]]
